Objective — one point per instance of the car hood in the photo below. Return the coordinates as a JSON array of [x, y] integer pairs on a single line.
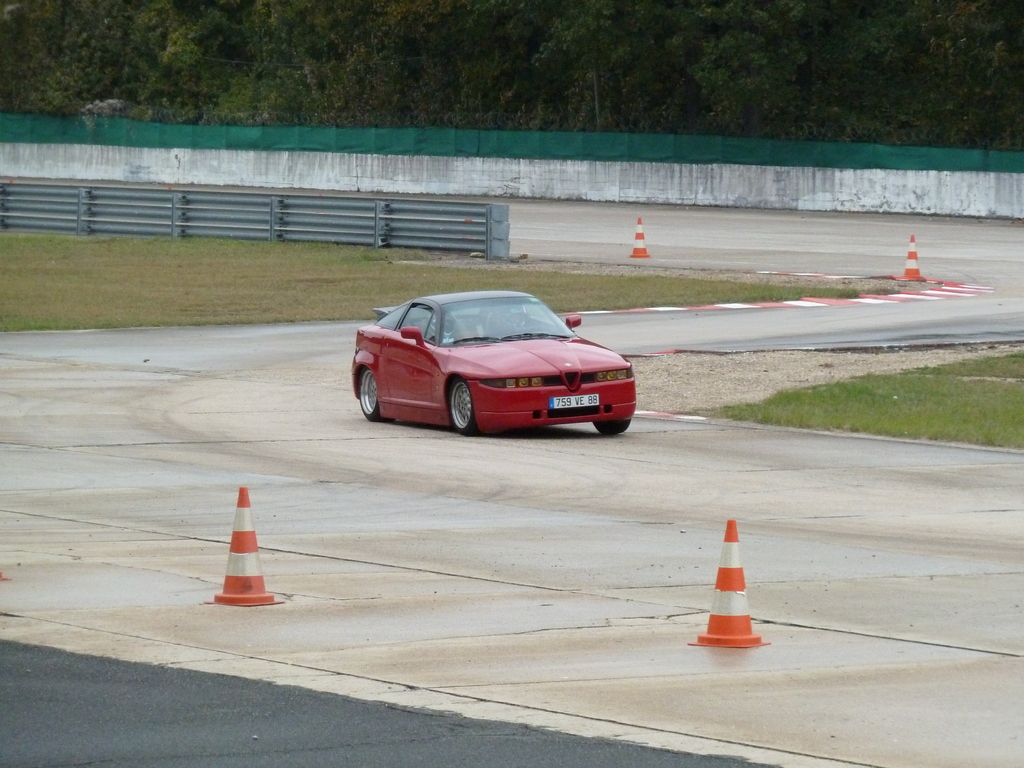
[[533, 357]]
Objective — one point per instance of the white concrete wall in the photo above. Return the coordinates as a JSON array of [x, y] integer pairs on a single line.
[[746, 186]]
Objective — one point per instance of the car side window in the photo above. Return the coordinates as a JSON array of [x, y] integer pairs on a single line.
[[390, 320], [431, 332], [422, 317]]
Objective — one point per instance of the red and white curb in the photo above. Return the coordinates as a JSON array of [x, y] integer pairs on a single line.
[[945, 290], [667, 416]]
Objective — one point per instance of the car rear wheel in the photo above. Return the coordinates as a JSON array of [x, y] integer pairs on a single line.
[[612, 427], [460, 408], [368, 401]]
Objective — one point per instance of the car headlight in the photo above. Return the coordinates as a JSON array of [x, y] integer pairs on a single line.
[[512, 383], [621, 373]]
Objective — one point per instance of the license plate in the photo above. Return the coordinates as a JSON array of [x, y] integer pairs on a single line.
[[573, 401]]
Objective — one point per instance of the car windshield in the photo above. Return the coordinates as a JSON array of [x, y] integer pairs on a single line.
[[507, 318]]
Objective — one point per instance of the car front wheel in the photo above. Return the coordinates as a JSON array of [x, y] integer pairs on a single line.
[[612, 427], [368, 401], [460, 408]]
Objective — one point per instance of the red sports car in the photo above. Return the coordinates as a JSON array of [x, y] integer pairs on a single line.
[[487, 361]]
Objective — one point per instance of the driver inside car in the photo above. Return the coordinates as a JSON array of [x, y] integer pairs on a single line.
[[448, 332]]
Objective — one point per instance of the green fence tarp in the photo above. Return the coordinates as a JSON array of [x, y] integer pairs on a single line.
[[541, 145]]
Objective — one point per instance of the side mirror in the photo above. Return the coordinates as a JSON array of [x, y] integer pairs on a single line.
[[573, 321], [413, 333]]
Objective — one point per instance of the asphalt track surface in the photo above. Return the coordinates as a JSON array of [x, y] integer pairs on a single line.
[[63, 709], [987, 253], [550, 579]]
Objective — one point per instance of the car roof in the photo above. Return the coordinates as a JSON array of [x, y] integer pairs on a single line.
[[453, 298], [442, 299]]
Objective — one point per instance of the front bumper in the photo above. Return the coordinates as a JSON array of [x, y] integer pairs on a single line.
[[500, 409]]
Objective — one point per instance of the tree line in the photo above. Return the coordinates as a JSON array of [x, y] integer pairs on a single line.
[[923, 72]]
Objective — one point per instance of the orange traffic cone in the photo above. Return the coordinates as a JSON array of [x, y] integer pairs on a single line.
[[2, 577], [243, 584], [729, 625], [639, 246], [912, 272]]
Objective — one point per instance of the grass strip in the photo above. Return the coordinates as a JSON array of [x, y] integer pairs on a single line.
[[54, 282], [977, 401]]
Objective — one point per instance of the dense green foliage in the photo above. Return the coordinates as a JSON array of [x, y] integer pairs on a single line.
[[935, 72]]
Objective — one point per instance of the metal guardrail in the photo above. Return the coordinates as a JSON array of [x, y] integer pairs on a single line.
[[147, 212]]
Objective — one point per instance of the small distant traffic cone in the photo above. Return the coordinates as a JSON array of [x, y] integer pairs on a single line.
[[912, 272], [2, 577], [729, 624], [639, 246], [243, 584]]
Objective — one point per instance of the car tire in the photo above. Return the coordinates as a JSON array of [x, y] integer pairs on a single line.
[[460, 408], [616, 427], [368, 402]]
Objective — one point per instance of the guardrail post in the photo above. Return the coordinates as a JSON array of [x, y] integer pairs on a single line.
[[3, 206], [381, 212], [78, 211], [274, 202], [180, 209], [497, 231], [81, 219]]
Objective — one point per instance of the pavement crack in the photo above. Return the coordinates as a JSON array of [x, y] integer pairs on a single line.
[[894, 638]]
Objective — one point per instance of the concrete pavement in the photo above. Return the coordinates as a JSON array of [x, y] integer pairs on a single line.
[[552, 578]]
